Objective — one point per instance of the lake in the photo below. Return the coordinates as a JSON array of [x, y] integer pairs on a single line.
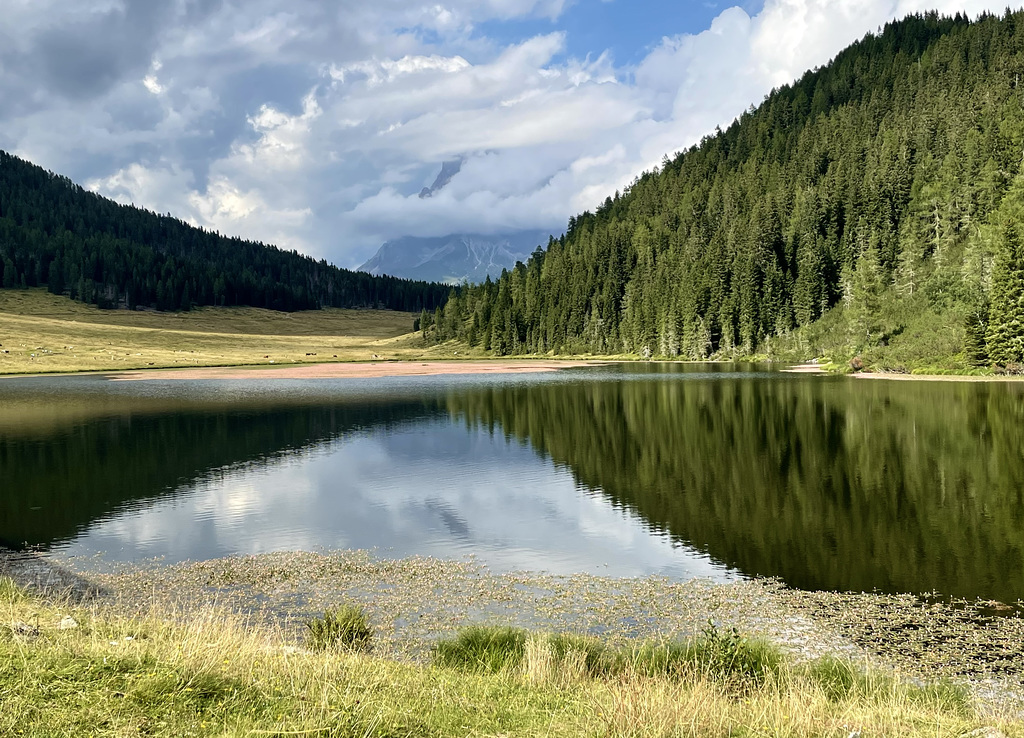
[[627, 470]]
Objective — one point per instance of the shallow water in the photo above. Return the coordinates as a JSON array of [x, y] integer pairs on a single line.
[[628, 470]]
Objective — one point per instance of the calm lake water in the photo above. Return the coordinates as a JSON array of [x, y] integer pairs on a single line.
[[827, 483]]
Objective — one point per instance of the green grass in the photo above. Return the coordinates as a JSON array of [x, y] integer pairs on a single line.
[[344, 627], [484, 650], [727, 658], [213, 674], [41, 333]]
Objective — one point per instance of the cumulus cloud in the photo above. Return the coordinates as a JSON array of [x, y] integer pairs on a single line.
[[315, 124]]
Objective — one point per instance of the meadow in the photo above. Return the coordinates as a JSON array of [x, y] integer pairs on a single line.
[[43, 333]]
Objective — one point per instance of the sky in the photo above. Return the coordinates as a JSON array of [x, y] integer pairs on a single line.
[[314, 124]]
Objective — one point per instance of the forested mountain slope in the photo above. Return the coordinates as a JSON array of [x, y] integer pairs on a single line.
[[54, 232], [883, 191]]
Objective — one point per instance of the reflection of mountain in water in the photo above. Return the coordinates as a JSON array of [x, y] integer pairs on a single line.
[[828, 485], [57, 485]]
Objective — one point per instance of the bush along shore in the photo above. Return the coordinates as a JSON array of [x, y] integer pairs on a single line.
[[210, 661]]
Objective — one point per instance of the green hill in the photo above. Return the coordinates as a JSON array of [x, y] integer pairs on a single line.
[[53, 232], [874, 207]]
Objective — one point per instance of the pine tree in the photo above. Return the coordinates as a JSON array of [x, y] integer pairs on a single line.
[[975, 345], [1006, 316]]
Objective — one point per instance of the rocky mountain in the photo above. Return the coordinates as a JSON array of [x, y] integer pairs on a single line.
[[448, 170], [455, 258]]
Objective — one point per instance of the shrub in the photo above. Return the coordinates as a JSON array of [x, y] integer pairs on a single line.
[[345, 627], [731, 657]]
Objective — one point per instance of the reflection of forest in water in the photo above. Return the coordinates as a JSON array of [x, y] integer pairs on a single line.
[[58, 482], [828, 484]]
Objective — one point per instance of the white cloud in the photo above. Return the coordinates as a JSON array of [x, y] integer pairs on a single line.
[[314, 125]]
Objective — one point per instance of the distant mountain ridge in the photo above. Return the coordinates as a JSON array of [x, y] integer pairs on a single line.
[[455, 258]]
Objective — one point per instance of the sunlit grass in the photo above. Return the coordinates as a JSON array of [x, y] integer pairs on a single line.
[[41, 332], [212, 673]]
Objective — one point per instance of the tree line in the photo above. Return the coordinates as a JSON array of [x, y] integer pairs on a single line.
[[887, 187], [55, 233]]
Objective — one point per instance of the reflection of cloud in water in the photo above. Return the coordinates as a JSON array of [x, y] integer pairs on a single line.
[[433, 489]]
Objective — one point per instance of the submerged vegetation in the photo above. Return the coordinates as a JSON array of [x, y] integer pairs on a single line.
[[872, 208], [77, 670]]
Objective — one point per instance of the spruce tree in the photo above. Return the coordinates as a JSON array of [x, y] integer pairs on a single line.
[[1006, 315]]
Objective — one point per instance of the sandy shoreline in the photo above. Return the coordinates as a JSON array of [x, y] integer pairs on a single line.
[[354, 370], [809, 368], [936, 377]]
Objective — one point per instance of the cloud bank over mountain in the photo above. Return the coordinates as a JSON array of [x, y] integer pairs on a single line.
[[316, 125]]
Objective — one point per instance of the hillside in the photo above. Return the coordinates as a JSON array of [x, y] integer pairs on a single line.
[[872, 208], [55, 233]]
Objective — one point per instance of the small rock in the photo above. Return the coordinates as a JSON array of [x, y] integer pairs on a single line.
[[986, 732], [24, 630], [67, 623]]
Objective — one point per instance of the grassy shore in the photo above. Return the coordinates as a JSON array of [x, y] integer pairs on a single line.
[[397, 648], [44, 333], [40, 332], [70, 669]]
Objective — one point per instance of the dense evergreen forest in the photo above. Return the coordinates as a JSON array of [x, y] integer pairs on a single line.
[[54, 232], [883, 193]]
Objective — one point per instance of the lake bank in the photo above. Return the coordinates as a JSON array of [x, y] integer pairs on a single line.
[[412, 602], [76, 668], [358, 370], [938, 377]]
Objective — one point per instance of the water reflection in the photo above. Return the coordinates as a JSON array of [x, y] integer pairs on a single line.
[[827, 483], [432, 489]]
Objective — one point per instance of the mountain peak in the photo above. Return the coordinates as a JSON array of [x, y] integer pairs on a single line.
[[456, 258], [448, 170]]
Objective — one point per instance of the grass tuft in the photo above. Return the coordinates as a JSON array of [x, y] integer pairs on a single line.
[[843, 681], [10, 592], [727, 658], [345, 627], [482, 649]]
